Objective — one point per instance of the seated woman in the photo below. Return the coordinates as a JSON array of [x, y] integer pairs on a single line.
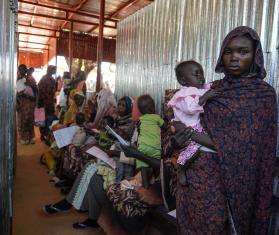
[[75, 107], [72, 161], [106, 105], [89, 190]]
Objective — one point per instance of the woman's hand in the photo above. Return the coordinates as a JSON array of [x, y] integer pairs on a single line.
[[207, 96]]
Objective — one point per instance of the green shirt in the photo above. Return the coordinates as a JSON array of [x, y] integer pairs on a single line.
[[149, 140]]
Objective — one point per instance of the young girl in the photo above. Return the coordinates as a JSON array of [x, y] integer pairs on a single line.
[[187, 105]]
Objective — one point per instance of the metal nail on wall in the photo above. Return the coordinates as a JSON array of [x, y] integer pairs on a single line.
[[8, 57]]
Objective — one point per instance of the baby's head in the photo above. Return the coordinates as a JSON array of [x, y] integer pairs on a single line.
[[80, 119], [146, 104], [190, 73]]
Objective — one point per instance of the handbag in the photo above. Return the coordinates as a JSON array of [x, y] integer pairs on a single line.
[[39, 117]]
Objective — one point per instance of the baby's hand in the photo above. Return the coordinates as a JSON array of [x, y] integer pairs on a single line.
[[207, 96], [176, 126]]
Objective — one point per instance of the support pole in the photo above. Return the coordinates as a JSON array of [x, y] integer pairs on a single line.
[[48, 56], [100, 45], [56, 54], [71, 47]]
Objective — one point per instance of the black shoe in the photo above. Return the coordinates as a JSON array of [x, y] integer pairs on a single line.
[[51, 209], [89, 223]]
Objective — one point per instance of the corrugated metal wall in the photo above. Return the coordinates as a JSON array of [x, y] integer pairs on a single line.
[[153, 40], [8, 59]]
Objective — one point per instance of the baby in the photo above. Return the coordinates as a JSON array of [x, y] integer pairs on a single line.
[[149, 135], [187, 104]]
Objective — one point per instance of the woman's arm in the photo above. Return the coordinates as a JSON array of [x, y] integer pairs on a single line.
[[184, 133], [133, 152]]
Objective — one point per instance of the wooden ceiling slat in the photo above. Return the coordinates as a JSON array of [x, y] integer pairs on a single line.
[[79, 6], [39, 35], [62, 18], [39, 43], [38, 27], [82, 13], [115, 13]]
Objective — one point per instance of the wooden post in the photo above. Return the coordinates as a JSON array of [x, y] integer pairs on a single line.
[[48, 56], [71, 47], [56, 52], [100, 45]]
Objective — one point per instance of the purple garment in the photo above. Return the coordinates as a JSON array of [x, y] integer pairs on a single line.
[[191, 149], [243, 125]]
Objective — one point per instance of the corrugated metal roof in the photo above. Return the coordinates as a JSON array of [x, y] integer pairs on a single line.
[[34, 15]]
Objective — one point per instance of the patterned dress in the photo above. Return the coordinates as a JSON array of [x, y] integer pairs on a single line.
[[232, 190], [25, 112], [47, 87]]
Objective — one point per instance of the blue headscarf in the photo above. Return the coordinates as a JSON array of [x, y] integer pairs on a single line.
[[128, 104]]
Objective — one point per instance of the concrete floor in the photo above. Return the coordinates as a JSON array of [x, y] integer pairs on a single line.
[[32, 190]]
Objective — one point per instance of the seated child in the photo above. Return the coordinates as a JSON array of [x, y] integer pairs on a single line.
[[187, 105], [149, 135]]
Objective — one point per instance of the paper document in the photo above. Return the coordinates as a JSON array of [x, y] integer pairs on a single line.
[[172, 213], [64, 137], [100, 154], [118, 137]]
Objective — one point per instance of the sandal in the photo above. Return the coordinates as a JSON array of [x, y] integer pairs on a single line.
[[51, 209]]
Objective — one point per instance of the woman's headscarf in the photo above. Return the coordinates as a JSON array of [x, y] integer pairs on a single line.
[[128, 104], [257, 67], [242, 123], [22, 71], [124, 124]]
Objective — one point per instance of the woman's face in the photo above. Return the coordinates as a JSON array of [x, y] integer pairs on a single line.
[[238, 55], [121, 108]]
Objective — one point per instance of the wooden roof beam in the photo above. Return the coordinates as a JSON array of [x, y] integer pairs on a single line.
[[38, 43], [39, 35], [35, 48], [62, 19], [37, 27], [82, 13], [79, 6], [122, 7]]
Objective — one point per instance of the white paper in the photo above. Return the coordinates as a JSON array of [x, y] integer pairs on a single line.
[[64, 137], [100, 154], [172, 213], [118, 137]]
